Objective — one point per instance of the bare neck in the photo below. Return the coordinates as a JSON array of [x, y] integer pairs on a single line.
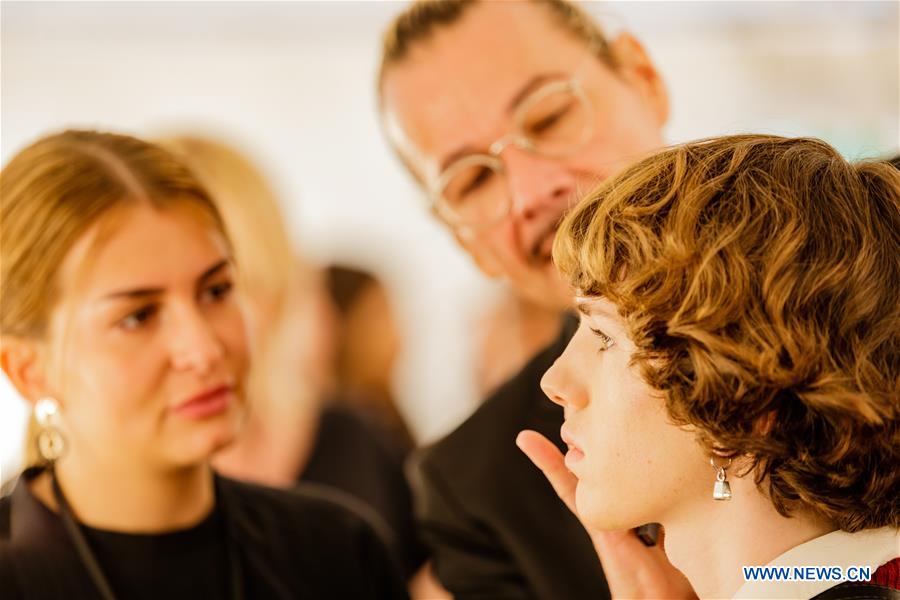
[[129, 500], [710, 541]]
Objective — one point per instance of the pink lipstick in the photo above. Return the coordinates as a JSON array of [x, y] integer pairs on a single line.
[[208, 403]]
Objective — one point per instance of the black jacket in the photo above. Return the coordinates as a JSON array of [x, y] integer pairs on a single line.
[[495, 527], [310, 542]]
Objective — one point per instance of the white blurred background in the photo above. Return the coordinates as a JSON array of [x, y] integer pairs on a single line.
[[292, 84]]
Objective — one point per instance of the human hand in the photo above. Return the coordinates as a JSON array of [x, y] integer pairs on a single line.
[[632, 569]]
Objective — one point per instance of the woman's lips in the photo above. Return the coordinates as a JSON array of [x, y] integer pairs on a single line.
[[206, 404]]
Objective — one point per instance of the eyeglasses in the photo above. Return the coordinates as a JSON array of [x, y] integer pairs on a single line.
[[554, 121]]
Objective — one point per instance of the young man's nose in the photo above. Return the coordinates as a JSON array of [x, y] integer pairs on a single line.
[[194, 345], [536, 183], [561, 387]]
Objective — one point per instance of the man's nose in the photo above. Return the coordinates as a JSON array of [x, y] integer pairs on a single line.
[[560, 387], [194, 345], [536, 183]]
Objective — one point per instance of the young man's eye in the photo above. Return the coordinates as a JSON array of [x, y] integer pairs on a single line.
[[217, 292], [606, 342], [138, 318]]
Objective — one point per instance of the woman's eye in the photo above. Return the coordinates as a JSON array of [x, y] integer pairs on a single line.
[[606, 342], [218, 292], [138, 318]]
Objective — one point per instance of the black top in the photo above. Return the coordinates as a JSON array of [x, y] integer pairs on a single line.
[[496, 528], [304, 543], [354, 452]]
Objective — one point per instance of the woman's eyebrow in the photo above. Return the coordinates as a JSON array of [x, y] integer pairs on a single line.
[[155, 291], [135, 293], [213, 270]]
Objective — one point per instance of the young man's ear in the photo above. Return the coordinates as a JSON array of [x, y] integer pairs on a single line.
[[22, 361], [637, 68]]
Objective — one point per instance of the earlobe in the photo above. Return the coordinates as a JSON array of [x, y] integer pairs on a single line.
[[637, 68], [20, 359]]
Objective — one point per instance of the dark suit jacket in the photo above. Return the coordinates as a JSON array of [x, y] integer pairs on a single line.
[[496, 528]]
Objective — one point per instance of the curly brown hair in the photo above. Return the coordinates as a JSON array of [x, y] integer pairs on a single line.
[[759, 279]]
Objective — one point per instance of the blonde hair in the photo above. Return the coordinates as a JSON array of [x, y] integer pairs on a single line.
[[52, 192], [758, 276], [249, 206]]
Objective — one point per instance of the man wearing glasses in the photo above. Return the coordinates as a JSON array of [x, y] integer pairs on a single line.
[[506, 113]]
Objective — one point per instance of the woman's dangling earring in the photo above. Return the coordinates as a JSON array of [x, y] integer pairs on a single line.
[[50, 442], [721, 489]]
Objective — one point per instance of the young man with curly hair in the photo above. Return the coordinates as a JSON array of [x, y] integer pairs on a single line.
[[735, 373]]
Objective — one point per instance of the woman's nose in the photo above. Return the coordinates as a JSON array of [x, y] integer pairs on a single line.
[[195, 345]]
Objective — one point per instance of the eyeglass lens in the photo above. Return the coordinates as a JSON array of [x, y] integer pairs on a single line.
[[554, 122]]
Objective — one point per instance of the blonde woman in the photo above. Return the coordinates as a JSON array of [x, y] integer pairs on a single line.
[[735, 373], [121, 326]]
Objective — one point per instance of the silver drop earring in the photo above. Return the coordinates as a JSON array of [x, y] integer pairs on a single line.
[[50, 442], [721, 489]]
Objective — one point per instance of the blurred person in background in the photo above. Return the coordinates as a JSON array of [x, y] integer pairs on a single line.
[[121, 324], [365, 349], [296, 431], [735, 372], [505, 112]]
